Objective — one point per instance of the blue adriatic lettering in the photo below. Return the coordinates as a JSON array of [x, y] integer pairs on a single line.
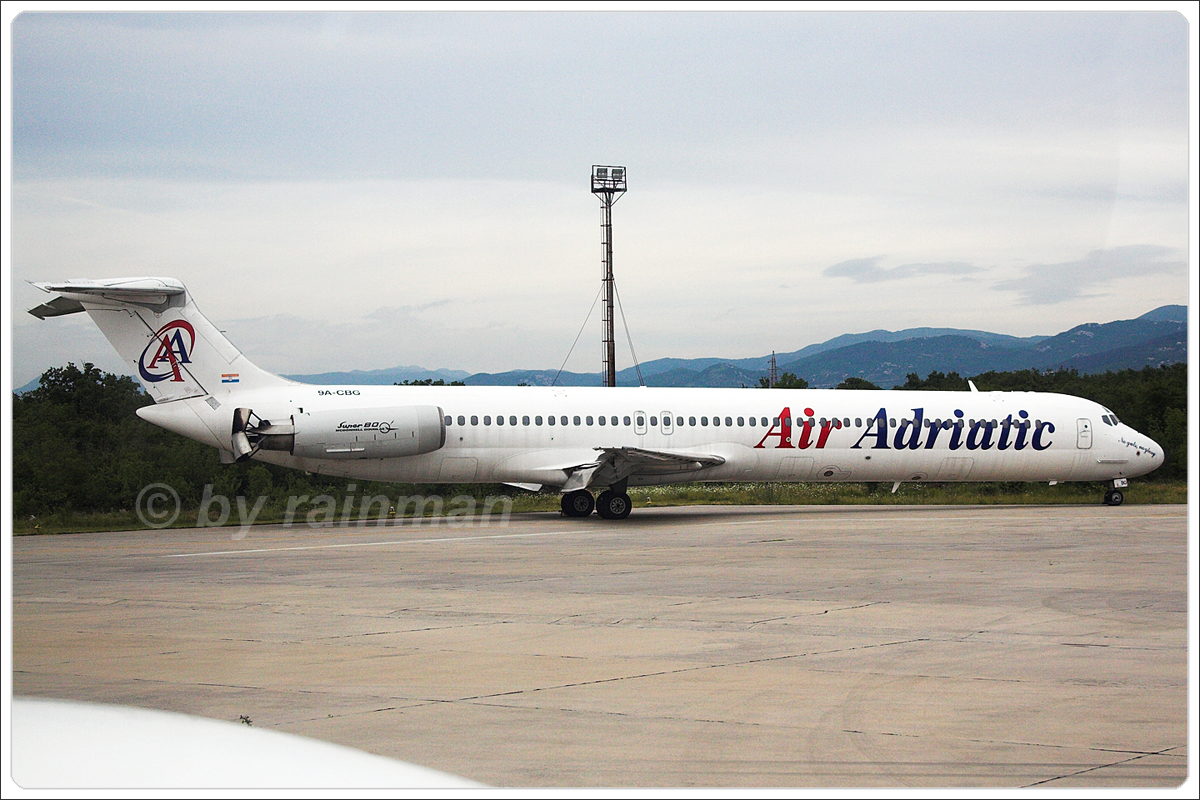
[[981, 434], [912, 426], [877, 427], [1037, 435]]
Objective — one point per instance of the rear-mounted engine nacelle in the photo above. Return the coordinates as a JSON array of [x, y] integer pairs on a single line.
[[342, 434]]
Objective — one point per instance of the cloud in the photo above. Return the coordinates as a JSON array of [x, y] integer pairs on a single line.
[[1045, 284], [393, 312], [867, 270]]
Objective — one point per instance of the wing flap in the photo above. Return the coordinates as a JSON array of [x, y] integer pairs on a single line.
[[616, 464], [662, 460]]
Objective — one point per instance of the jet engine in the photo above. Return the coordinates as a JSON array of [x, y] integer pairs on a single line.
[[342, 434]]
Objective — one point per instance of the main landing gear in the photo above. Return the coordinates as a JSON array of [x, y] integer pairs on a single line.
[[578, 503], [609, 505]]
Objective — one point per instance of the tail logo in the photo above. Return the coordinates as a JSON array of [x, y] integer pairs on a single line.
[[171, 346]]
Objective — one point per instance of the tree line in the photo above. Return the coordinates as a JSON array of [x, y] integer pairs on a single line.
[[79, 446]]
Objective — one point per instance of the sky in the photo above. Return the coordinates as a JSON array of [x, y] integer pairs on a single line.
[[368, 190]]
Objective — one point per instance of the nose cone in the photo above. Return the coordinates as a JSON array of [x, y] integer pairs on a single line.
[[1145, 454]]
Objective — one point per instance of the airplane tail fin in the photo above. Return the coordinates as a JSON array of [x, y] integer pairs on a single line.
[[160, 333]]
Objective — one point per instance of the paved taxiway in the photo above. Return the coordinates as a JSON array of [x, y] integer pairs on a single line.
[[700, 646]]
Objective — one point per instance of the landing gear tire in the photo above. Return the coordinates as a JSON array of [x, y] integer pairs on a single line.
[[613, 505], [578, 503], [1114, 497]]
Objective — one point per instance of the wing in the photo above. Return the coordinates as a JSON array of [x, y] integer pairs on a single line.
[[616, 464]]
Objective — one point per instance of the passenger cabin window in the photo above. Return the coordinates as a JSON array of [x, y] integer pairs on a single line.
[[628, 422], [487, 420], [704, 421], [537, 420], [563, 420], [692, 421], [728, 421], [462, 420], [615, 421], [524, 420], [576, 420], [600, 420], [474, 420], [654, 422], [589, 420], [449, 422], [499, 419]]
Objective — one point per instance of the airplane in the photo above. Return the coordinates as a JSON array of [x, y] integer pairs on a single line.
[[580, 441]]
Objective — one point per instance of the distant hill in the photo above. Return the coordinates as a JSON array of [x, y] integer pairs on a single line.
[[378, 377], [885, 358], [1167, 314], [534, 377], [882, 357], [887, 363]]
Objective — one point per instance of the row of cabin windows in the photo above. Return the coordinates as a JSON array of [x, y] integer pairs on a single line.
[[614, 421], [729, 421]]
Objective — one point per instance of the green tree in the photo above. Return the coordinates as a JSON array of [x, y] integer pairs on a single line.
[[853, 382], [786, 381]]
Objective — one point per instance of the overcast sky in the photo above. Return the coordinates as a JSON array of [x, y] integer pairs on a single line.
[[365, 190]]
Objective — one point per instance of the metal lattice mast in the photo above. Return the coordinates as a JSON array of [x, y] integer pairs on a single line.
[[608, 183]]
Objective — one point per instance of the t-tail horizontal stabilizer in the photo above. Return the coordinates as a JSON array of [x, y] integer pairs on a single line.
[[159, 332]]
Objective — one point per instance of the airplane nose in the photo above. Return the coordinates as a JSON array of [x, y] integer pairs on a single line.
[[1150, 454]]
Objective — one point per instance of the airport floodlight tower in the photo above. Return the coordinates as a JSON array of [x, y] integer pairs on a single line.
[[608, 183]]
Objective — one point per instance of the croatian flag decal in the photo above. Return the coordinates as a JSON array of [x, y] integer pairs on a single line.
[[229, 377]]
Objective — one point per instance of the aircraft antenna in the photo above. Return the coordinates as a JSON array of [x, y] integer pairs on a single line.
[[608, 183]]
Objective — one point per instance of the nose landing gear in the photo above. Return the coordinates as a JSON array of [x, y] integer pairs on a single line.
[[1114, 496]]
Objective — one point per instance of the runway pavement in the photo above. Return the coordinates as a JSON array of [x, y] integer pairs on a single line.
[[698, 646]]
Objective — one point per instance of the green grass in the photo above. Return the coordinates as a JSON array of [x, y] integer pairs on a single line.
[[1014, 493]]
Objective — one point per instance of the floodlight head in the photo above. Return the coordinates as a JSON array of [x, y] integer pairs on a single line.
[[607, 180]]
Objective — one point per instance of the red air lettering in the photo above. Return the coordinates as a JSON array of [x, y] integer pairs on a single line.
[[781, 428]]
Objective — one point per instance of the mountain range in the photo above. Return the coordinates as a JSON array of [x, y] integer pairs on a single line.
[[882, 357]]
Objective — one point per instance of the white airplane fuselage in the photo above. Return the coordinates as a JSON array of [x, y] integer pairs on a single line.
[[579, 439], [504, 434]]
